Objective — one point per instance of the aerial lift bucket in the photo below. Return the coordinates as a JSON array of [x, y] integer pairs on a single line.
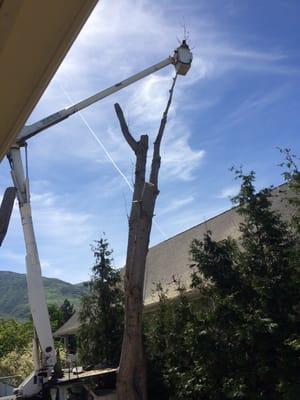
[[183, 58]]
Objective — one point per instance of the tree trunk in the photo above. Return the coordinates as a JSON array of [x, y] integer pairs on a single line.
[[132, 377]]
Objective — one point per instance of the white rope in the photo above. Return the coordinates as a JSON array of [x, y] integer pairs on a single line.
[[92, 132]]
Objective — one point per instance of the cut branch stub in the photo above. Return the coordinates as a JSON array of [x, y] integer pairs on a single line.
[[140, 166], [124, 128]]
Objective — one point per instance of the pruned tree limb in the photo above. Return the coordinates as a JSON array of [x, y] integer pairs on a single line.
[[140, 168], [124, 128], [156, 151]]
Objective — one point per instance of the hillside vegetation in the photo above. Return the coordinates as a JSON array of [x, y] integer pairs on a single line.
[[14, 297]]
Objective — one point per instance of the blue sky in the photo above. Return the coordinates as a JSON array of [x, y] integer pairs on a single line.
[[238, 103]]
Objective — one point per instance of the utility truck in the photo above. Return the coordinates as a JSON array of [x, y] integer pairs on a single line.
[[42, 383]]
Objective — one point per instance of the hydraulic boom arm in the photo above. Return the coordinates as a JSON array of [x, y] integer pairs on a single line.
[[181, 60], [44, 361]]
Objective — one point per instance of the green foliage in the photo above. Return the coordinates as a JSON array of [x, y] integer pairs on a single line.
[[15, 349], [14, 336], [292, 177], [167, 343], [102, 311], [157, 329], [247, 344], [17, 365], [55, 316], [14, 296], [67, 310], [60, 314]]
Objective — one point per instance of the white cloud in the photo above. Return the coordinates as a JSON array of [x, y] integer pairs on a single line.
[[147, 104], [176, 204], [180, 161], [43, 199], [12, 256], [54, 221], [49, 270], [229, 192], [117, 25]]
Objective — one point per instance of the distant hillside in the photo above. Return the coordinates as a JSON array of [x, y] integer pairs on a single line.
[[14, 298]]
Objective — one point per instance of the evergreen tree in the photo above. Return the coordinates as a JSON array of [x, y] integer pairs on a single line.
[[60, 314], [67, 310], [55, 316], [246, 344], [248, 349], [102, 311]]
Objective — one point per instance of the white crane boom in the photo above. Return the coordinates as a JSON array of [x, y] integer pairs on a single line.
[[181, 59], [31, 130], [36, 296]]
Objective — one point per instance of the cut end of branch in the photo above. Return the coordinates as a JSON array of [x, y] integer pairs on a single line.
[[117, 108], [124, 127]]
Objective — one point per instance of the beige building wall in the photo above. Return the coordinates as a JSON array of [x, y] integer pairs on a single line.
[[171, 257]]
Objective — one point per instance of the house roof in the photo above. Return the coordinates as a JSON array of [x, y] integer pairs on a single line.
[[170, 258], [70, 327], [34, 38]]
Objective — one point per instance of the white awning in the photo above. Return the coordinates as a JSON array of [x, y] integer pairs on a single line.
[[34, 38]]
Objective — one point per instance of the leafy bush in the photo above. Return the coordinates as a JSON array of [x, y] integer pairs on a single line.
[[14, 336], [17, 365], [15, 350]]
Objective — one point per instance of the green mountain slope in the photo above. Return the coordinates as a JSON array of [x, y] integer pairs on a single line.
[[14, 298]]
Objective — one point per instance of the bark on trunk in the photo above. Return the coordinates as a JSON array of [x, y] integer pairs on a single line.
[[132, 376]]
